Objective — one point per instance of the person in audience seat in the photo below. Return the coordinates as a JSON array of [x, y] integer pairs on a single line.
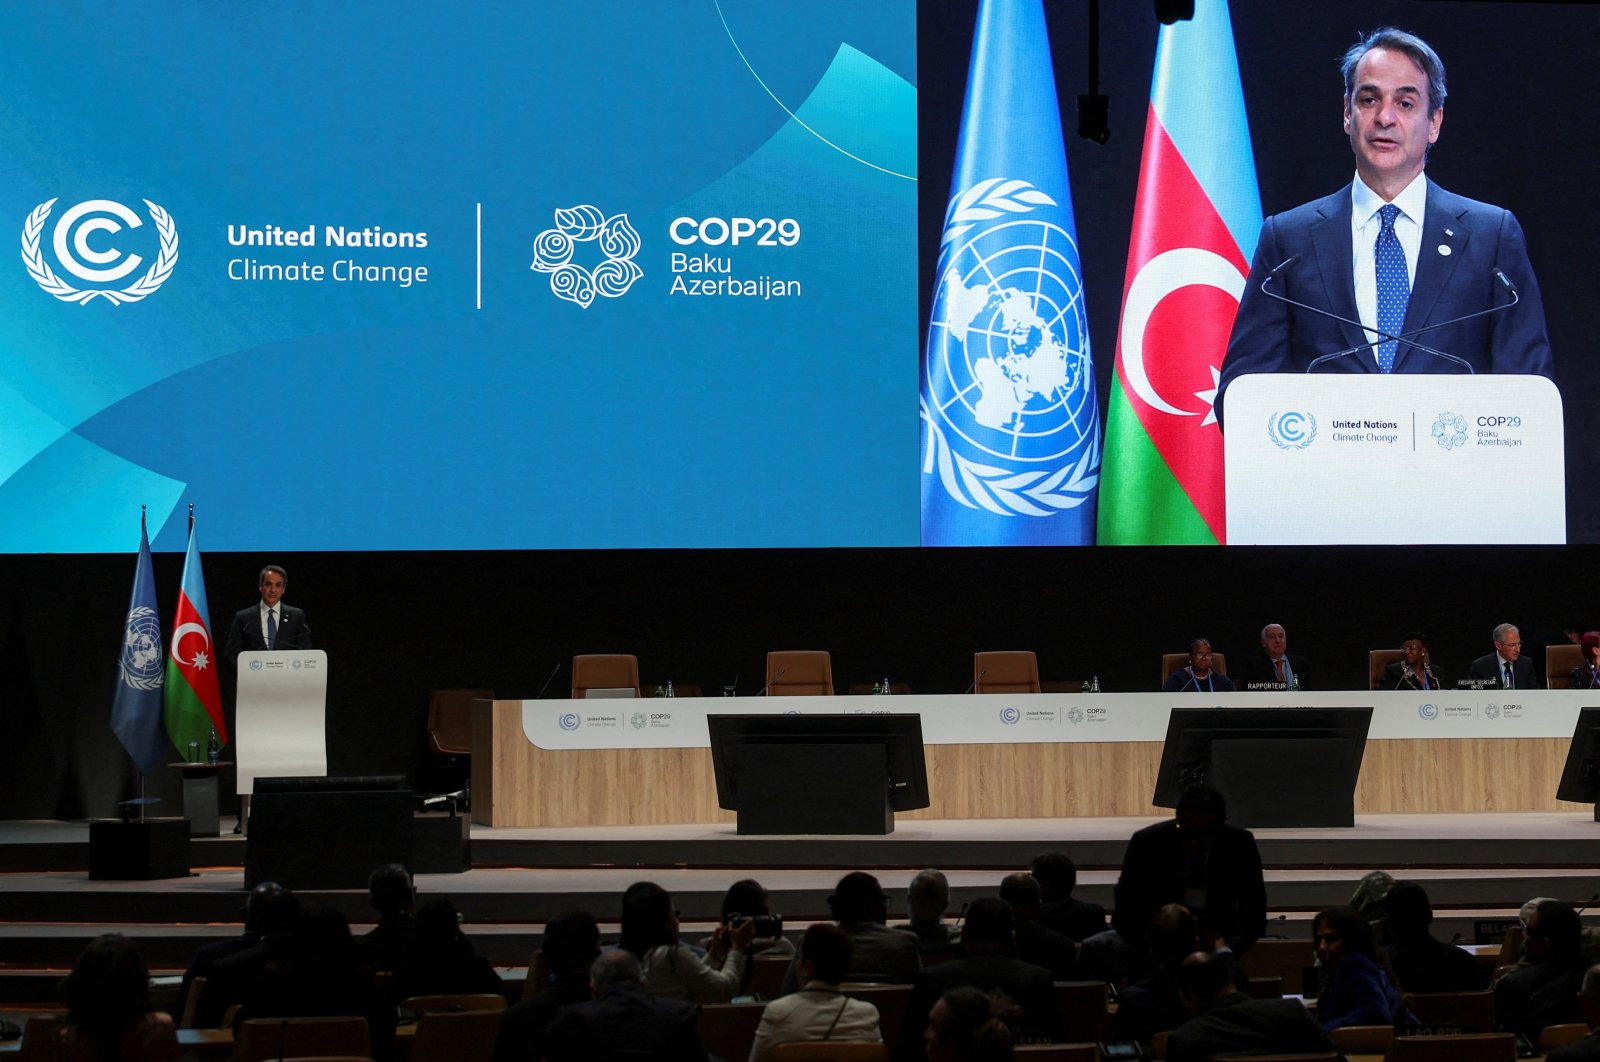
[[569, 947], [1153, 1005], [1420, 961], [971, 1025], [672, 968], [1587, 1049], [624, 1022], [208, 955], [928, 898], [1057, 876], [1036, 943], [393, 941], [1359, 991], [446, 963], [232, 978], [861, 909], [1227, 1022], [1544, 992], [819, 1011], [109, 1017]]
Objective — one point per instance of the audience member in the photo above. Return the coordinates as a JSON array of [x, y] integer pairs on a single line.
[[1227, 1022], [928, 898], [445, 963], [1200, 861], [1358, 991], [1154, 1005], [1037, 944], [861, 909], [988, 964], [1368, 902], [323, 976], [208, 955], [672, 968], [1587, 1049], [819, 1011], [1420, 961], [109, 1018], [971, 1025], [623, 1021], [1057, 876], [1544, 992], [747, 898], [393, 941], [232, 978], [570, 945]]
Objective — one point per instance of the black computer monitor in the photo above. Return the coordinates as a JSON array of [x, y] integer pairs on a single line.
[[888, 747], [1580, 778], [1275, 766]]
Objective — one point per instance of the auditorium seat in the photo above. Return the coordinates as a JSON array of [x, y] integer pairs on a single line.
[[1469, 1010], [1554, 1036], [799, 673], [1005, 672], [830, 1051], [1363, 1039], [891, 1001], [466, 1036], [454, 1003], [261, 1039], [40, 1037], [729, 1029], [766, 975], [1085, 1009], [1559, 660], [1472, 1047], [191, 1002], [1377, 660], [1171, 662], [1057, 1052], [604, 671]]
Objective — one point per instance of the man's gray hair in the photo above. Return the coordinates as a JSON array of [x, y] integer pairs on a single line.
[[1591, 984], [612, 968], [1269, 626], [929, 895], [1398, 40], [1504, 629]]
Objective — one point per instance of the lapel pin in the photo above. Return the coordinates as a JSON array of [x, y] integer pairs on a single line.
[[1449, 232], [1444, 249]]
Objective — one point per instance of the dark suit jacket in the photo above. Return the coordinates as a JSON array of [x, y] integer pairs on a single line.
[[1029, 987], [1078, 919], [1546, 993], [628, 1024], [1423, 963], [522, 1025], [1241, 1025], [1523, 672], [244, 632], [1584, 1050], [1153, 876], [1270, 336], [1257, 668], [1394, 678]]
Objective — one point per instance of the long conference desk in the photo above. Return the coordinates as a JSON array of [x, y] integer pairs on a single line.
[[992, 756]]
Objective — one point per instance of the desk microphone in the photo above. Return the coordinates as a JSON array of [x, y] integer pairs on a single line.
[[974, 686], [1588, 903], [547, 681], [781, 672], [1384, 337]]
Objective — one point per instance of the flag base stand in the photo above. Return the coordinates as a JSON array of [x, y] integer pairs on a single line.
[[200, 797], [138, 850], [440, 844]]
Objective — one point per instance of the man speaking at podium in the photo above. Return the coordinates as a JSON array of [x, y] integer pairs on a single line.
[[1392, 251], [269, 623]]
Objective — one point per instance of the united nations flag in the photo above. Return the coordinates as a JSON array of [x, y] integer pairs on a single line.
[[1011, 429]]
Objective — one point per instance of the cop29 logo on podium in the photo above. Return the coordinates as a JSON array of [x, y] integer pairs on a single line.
[[84, 245], [575, 228], [1010, 402]]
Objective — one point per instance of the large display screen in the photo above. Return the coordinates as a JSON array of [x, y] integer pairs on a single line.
[[727, 273]]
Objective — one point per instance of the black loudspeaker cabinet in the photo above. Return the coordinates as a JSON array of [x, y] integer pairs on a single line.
[[326, 833], [139, 851]]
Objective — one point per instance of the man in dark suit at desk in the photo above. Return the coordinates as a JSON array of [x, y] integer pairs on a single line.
[[1505, 668], [1391, 251], [269, 623], [1274, 668]]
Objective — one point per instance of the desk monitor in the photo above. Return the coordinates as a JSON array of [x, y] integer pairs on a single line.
[[900, 736], [1276, 766], [1580, 778]]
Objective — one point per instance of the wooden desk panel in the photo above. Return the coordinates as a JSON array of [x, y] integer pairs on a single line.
[[515, 783]]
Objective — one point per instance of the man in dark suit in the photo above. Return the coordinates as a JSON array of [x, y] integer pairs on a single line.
[[1036, 942], [1198, 860], [268, 624], [986, 939], [1228, 1022], [1392, 250], [623, 1021], [1544, 992], [1057, 876], [1587, 1049], [1505, 668], [1274, 668], [570, 946]]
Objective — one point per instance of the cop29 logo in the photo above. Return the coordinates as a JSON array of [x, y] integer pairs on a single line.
[[83, 244], [555, 248], [1292, 430]]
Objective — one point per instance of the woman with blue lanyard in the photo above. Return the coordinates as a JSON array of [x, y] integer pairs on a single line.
[[1198, 676]]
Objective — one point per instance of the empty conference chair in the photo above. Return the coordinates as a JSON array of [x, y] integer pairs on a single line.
[[1007, 672], [1559, 660], [1377, 660], [604, 671], [799, 673], [450, 720]]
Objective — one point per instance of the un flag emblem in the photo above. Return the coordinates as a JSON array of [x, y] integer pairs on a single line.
[[1010, 384]]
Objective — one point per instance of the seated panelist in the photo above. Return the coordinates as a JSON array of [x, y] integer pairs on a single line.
[[1586, 676], [1198, 676], [1414, 669]]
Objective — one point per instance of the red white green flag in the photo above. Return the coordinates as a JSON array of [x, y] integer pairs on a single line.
[[191, 697], [1195, 223]]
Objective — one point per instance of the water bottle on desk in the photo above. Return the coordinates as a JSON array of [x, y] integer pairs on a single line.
[[669, 689], [213, 751]]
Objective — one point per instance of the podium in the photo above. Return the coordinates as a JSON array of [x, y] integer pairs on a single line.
[[280, 728], [1365, 459]]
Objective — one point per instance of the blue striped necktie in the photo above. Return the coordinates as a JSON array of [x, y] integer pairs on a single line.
[[1394, 285]]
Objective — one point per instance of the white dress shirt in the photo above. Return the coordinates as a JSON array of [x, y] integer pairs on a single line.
[[1364, 228], [266, 608]]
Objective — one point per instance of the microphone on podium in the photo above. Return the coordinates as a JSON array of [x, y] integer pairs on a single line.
[[974, 686], [764, 689], [548, 679], [1386, 337]]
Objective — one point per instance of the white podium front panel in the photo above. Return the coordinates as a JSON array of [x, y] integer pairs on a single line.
[[280, 728], [1352, 459], [1030, 718]]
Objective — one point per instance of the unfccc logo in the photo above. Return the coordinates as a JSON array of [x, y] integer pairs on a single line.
[[1429, 711], [81, 245], [1293, 430], [1009, 716], [570, 721]]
